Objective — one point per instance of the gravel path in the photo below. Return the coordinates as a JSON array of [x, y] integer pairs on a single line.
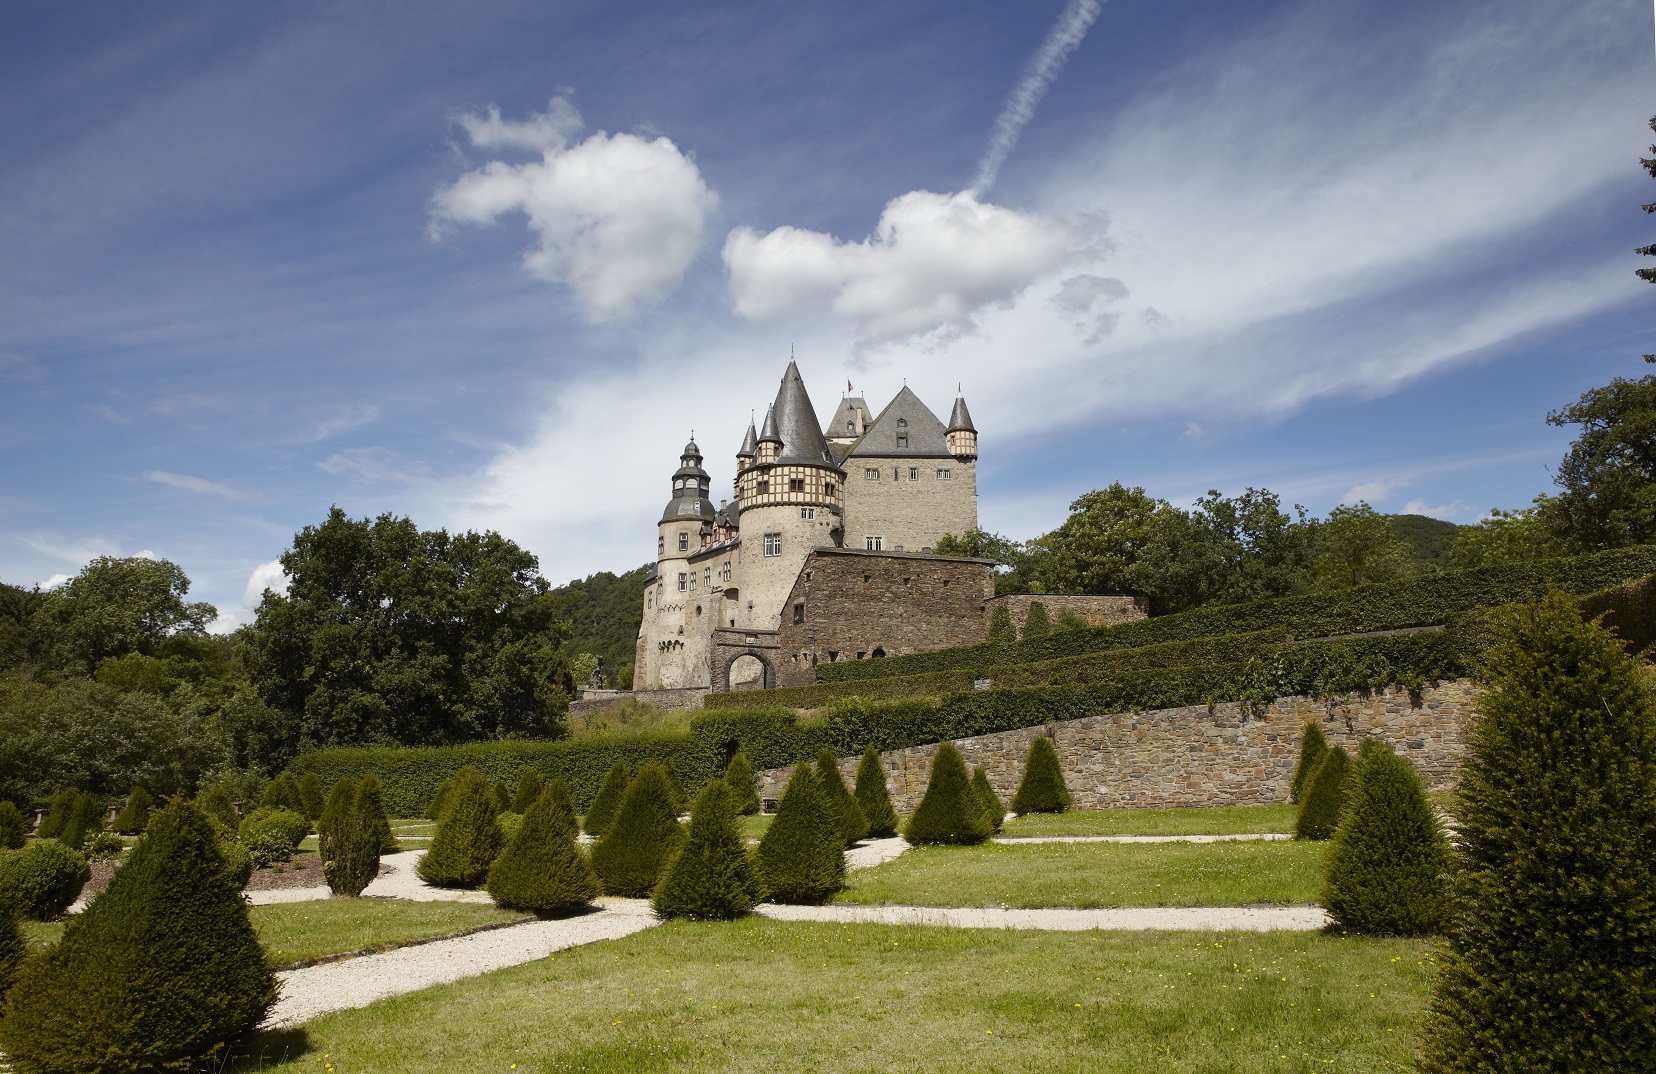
[[1198, 918], [357, 982], [1273, 836], [874, 852], [397, 880]]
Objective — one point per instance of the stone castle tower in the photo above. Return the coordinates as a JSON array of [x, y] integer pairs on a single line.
[[885, 485]]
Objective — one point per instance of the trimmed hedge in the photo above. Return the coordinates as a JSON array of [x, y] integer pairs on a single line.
[[950, 811], [801, 858], [1423, 601], [601, 812], [1042, 788], [853, 825], [986, 794], [14, 829], [643, 839], [467, 839], [744, 789], [542, 869], [874, 797], [712, 878], [1324, 797], [1313, 747], [43, 879], [13, 950]]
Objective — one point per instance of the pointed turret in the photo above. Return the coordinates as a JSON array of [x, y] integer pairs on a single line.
[[797, 423], [690, 490], [770, 440], [962, 435], [750, 444]]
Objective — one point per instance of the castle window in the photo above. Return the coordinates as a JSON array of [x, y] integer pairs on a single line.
[[707, 577], [649, 600], [796, 484], [684, 542], [874, 544], [764, 488], [773, 544], [799, 614], [683, 581], [661, 545], [943, 475], [727, 570], [833, 657], [871, 473], [902, 441], [692, 579], [830, 491], [807, 512], [851, 425], [914, 473]]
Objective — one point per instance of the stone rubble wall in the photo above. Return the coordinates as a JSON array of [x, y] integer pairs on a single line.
[[1196, 756], [1108, 609], [593, 702]]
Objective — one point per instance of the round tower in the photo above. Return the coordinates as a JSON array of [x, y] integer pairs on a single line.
[[961, 436], [672, 636]]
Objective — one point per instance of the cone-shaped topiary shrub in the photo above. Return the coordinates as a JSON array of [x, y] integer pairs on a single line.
[[852, 824], [1549, 960], [1386, 871], [1313, 745], [712, 876], [135, 814], [468, 837], [874, 797], [986, 794], [633, 853], [162, 971], [676, 789], [950, 811], [216, 804], [1042, 789], [440, 799], [85, 819], [371, 799], [563, 806], [528, 791], [744, 789], [58, 813], [801, 858], [13, 950], [1036, 623], [14, 827], [601, 813], [340, 800], [542, 869], [1002, 631], [1325, 796], [283, 793], [43, 879], [502, 796], [310, 796], [238, 863], [355, 840]]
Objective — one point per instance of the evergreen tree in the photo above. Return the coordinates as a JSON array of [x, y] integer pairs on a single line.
[[283, 793], [502, 797], [801, 858], [340, 800], [1001, 629], [1551, 938], [1036, 623], [563, 806], [42, 880], [356, 839], [468, 837], [1325, 796], [743, 787], [14, 828], [86, 818], [986, 794], [440, 799], [163, 971], [950, 811], [58, 813], [310, 796], [528, 791], [371, 802], [13, 949], [874, 797], [1313, 745], [601, 813], [542, 869], [631, 855], [1388, 865], [712, 876], [1042, 789], [852, 824], [136, 813], [216, 804]]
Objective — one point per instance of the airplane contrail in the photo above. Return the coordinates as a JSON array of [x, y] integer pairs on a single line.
[[1038, 75]]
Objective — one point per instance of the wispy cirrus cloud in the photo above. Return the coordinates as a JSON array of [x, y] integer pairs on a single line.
[[374, 466], [190, 483]]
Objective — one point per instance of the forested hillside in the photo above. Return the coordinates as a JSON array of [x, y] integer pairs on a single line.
[[603, 611]]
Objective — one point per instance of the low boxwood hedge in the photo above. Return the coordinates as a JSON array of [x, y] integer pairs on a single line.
[[1394, 605]]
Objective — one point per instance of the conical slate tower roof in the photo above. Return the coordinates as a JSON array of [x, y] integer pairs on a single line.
[[961, 419], [750, 444], [797, 422], [769, 435]]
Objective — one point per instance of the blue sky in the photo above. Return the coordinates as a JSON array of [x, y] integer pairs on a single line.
[[487, 264]]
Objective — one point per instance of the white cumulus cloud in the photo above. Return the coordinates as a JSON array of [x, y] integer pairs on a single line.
[[265, 576], [933, 261], [618, 217]]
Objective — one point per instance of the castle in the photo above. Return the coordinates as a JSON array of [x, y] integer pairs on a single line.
[[873, 491]]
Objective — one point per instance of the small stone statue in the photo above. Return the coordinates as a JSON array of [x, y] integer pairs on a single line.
[[596, 680]]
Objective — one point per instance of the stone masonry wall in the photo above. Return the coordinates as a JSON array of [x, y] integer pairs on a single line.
[[1098, 610], [907, 514], [851, 602], [1195, 756]]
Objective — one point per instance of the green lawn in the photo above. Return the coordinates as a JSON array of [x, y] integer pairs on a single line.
[[293, 932], [1094, 874], [1218, 820], [756, 995], [756, 826]]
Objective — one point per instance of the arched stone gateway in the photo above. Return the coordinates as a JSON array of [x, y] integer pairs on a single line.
[[749, 647], [750, 671]]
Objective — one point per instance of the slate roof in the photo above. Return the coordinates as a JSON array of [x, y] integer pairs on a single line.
[[908, 416], [689, 503], [844, 422], [796, 423], [961, 419], [769, 434], [750, 444]]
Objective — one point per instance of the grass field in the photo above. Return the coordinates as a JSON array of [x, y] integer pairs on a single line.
[[755, 827], [293, 932], [1218, 820], [1094, 874], [767, 996]]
